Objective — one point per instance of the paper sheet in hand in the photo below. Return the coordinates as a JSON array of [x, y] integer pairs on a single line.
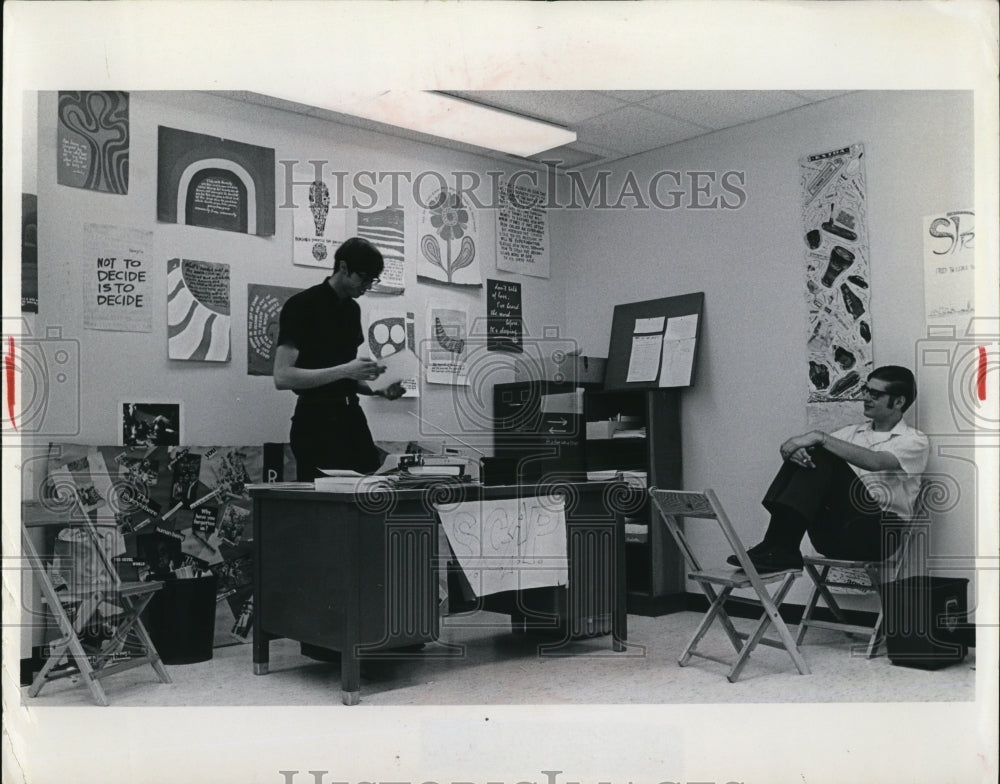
[[400, 366]]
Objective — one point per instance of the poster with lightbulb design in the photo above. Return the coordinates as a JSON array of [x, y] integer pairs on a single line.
[[838, 290], [388, 333], [450, 248], [317, 228]]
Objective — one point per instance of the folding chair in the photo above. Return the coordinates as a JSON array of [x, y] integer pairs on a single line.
[[826, 573], [76, 610], [675, 504]]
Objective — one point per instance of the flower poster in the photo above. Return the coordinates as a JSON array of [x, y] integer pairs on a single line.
[[117, 286], [446, 351], [449, 242], [93, 145], [316, 229], [388, 333], [385, 230], [522, 230], [198, 317], [837, 274], [264, 304]]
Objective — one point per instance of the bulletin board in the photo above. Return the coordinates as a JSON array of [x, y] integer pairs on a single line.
[[654, 344]]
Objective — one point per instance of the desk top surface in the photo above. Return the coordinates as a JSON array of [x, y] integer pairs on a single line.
[[446, 492]]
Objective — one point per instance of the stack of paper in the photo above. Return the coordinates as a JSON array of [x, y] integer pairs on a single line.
[[340, 481]]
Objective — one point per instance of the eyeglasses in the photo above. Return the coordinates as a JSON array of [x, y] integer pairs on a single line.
[[366, 281], [874, 394]]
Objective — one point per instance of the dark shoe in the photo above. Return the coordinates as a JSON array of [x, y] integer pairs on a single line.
[[757, 548], [775, 560]]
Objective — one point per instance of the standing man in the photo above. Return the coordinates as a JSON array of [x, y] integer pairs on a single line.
[[319, 332], [848, 489]]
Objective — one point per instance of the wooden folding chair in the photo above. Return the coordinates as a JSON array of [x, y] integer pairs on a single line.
[[828, 573], [676, 504], [76, 610]]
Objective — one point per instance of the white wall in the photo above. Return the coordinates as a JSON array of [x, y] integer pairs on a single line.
[[751, 386], [221, 403]]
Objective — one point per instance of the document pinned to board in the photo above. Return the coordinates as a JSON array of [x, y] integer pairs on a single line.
[[677, 360], [647, 341]]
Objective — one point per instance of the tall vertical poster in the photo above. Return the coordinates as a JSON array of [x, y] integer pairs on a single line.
[[316, 229], [522, 234], [117, 285], [29, 253], [92, 147], [949, 270], [447, 349], [390, 333], [504, 323], [198, 317], [264, 304], [838, 279], [214, 183], [450, 248], [386, 230]]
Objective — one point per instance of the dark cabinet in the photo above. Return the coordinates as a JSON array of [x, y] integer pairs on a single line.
[[543, 426]]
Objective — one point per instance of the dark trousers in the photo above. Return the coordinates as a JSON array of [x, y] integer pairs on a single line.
[[328, 435], [832, 505]]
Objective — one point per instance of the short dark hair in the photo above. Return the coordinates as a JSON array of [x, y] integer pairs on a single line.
[[359, 255], [899, 382]]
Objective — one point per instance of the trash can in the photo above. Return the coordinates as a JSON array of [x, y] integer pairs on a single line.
[[180, 618], [925, 621]]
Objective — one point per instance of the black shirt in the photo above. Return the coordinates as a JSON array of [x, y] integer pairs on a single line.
[[327, 331]]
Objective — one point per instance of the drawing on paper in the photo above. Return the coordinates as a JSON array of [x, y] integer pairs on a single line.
[[93, 146], [448, 244]]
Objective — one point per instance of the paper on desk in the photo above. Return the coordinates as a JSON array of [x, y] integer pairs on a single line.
[[341, 472], [402, 366]]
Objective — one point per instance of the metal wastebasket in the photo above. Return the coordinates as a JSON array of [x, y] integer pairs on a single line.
[[180, 619]]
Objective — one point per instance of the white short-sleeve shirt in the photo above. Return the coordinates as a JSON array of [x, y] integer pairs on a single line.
[[895, 491]]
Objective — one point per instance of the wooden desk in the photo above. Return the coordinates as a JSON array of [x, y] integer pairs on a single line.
[[358, 573]]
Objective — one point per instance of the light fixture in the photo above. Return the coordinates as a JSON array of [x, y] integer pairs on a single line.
[[448, 118]]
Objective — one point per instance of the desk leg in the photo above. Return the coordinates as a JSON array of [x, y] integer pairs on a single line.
[[350, 676], [619, 618], [261, 652]]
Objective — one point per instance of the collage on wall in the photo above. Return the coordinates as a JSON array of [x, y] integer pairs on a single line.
[[838, 277]]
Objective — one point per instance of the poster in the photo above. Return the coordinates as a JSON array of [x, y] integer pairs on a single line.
[[449, 241], [504, 321], [838, 279], [446, 351], [93, 143], [150, 424], [29, 253], [386, 230], [949, 269], [522, 230], [198, 319], [264, 304], [214, 183], [316, 229], [390, 333], [508, 545], [117, 285]]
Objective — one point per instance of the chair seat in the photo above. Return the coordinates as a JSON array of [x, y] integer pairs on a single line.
[[737, 578], [841, 563]]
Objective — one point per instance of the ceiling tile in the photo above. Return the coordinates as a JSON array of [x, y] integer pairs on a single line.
[[562, 107], [820, 95], [634, 129], [631, 96], [575, 155], [718, 109]]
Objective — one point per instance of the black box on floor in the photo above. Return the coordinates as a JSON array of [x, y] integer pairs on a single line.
[[925, 621]]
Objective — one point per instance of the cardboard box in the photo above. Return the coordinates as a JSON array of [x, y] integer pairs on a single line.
[[604, 428]]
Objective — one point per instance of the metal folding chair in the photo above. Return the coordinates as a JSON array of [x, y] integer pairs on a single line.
[[831, 573], [77, 610], [719, 584]]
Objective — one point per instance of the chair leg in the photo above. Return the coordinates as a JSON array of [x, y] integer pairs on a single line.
[[807, 614], [771, 617], [874, 576], [714, 609]]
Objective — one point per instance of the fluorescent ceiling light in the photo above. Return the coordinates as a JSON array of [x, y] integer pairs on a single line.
[[449, 118]]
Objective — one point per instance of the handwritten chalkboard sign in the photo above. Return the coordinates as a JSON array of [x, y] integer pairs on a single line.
[[503, 316]]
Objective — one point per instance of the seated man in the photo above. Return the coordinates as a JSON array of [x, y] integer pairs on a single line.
[[848, 489]]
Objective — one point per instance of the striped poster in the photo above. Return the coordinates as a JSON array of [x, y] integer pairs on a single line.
[[198, 317], [385, 229]]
